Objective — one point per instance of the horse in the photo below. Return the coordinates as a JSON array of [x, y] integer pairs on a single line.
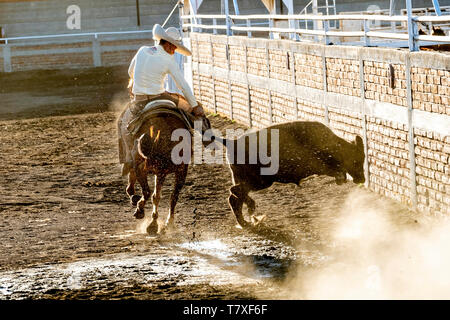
[[152, 154]]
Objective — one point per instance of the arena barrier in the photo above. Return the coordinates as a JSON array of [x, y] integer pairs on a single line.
[[396, 100]]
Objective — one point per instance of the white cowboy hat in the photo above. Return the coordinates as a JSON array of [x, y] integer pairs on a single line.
[[171, 35]]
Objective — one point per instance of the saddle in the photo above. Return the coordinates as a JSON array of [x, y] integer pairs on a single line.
[[154, 109]]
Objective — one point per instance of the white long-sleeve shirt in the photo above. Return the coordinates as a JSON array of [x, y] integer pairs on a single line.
[[149, 69]]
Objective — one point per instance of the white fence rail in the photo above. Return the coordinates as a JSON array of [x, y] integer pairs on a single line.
[[94, 35], [16, 47], [410, 36]]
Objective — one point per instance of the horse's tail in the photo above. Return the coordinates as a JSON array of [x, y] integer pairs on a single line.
[[147, 142]]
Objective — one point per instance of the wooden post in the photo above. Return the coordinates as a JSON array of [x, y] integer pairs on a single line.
[[138, 14]]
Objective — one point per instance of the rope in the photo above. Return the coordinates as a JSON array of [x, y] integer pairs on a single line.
[[170, 14]]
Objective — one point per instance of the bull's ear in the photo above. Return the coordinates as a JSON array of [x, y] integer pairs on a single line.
[[359, 143]]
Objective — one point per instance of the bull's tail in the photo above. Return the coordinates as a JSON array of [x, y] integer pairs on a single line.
[[148, 142]]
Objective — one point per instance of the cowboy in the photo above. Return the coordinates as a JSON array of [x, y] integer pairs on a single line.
[[151, 65], [148, 71]]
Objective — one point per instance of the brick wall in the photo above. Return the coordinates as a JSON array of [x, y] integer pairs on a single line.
[[433, 171], [239, 96], [257, 62], [266, 89], [431, 89], [259, 106], [343, 76], [51, 61], [377, 83], [389, 159], [280, 64], [309, 110], [283, 108], [308, 70], [206, 96], [43, 58]]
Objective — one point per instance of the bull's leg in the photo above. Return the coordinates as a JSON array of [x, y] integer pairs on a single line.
[[134, 198], [251, 205], [180, 178], [141, 176], [156, 197], [236, 200]]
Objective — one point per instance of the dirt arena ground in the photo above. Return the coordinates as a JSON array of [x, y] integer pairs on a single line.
[[66, 225]]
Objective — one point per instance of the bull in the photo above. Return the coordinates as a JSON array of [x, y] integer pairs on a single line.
[[304, 149]]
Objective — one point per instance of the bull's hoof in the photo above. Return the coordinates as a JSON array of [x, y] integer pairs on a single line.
[[257, 220], [152, 228], [139, 213], [134, 199]]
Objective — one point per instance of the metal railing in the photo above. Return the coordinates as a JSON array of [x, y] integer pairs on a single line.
[[410, 36]]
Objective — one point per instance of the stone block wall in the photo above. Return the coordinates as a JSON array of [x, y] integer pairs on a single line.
[[239, 97], [257, 62], [432, 152], [431, 89], [260, 107], [377, 82], [283, 108], [280, 64], [310, 111], [308, 70], [343, 76], [388, 154], [355, 91]]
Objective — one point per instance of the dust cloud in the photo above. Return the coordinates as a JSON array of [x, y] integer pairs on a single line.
[[376, 252], [118, 102]]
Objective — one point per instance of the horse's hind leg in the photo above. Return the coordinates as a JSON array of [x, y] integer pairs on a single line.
[[134, 198], [141, 176], [156, 197], [180, 178]]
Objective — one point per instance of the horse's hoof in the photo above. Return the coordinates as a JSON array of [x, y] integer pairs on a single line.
[[243, 225], [170, 223], [152, 229], [139, 214], [134, 199]]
